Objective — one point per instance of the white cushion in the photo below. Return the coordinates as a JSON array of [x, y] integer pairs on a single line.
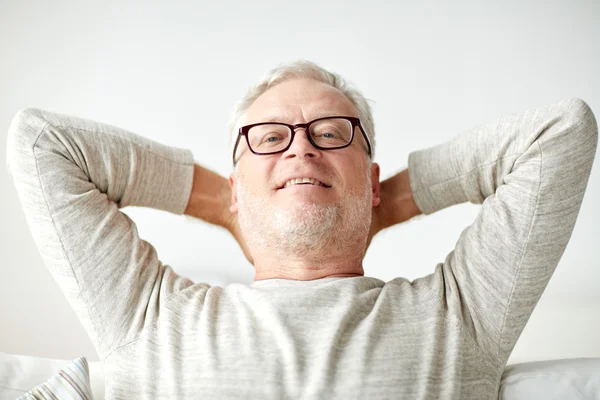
[[72, 382], [577, 378], [19, 374]]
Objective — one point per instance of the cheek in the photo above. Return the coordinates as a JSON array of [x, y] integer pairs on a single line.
[[353, 173], [255, 178]]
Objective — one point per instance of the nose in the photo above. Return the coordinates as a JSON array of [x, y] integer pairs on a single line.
[[301, 147]]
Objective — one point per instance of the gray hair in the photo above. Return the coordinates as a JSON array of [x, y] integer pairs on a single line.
[[305, 69]]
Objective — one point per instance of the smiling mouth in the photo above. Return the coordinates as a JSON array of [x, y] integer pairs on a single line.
[[305, 185], [303, 182]]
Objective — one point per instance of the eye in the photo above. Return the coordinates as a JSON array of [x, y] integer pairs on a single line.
[[328, 135], [268, 138]]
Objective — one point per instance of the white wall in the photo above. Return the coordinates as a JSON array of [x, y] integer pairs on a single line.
[[173, 72]]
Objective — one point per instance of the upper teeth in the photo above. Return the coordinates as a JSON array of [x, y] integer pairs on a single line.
[[296, 181]]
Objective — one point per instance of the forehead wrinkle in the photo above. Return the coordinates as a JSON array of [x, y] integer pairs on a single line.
[[316, 115], [314, 99], [318, 109]]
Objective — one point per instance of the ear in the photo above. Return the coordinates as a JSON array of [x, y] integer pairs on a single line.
[[233, 185], [376, 184]]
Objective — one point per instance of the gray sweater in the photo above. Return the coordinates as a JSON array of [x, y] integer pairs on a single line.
[[447, 335]]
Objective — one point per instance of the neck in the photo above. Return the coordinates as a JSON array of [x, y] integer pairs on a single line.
[[273, 266]]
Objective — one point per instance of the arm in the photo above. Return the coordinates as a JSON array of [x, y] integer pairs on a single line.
[[397, 204], [210, 200], [530, 171], [72, 176]]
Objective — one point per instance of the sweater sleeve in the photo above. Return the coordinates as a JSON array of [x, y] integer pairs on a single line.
[[529, 171], [72, 176]]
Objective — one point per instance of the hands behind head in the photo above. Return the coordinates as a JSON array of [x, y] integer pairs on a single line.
[[396, 206]]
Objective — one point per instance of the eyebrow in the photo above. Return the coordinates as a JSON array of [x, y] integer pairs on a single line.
[[279, 118]]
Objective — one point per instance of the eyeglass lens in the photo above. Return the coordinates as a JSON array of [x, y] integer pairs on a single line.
[[327, 133]]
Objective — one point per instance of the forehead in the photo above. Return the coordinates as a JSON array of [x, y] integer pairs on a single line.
[[298, 100]]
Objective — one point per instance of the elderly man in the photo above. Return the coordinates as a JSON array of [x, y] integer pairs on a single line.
[[304, 201]]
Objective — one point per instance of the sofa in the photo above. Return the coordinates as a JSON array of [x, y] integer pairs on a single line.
[[577, 378]]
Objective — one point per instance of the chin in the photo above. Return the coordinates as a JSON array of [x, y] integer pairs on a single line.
[[306, 218]]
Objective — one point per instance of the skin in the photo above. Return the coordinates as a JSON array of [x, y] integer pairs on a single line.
[[300, 101]]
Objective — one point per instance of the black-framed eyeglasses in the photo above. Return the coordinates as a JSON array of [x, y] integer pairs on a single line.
[[327, 133]]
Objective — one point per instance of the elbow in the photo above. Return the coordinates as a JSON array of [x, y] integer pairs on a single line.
[[583, 119], [24, 129], [22, 123], [583, 126]]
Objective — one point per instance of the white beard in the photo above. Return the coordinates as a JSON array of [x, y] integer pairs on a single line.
[[305, 229]]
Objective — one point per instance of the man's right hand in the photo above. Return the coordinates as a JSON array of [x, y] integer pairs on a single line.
[[210, 200]]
